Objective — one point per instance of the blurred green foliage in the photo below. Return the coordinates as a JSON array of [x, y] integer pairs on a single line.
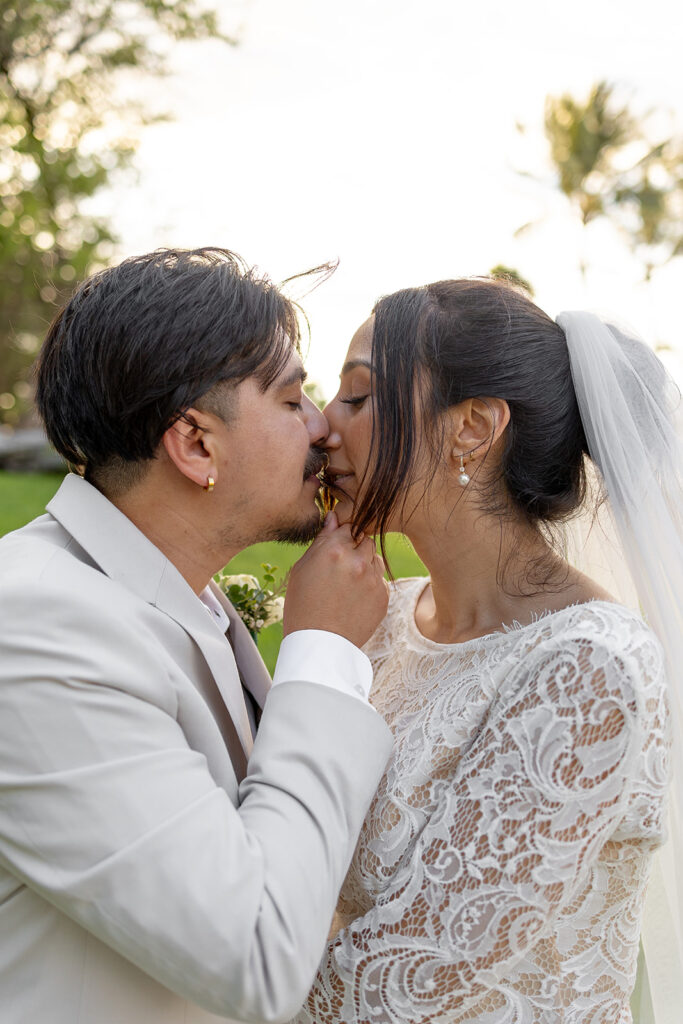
[[315, 393], [584, 140], [513, 277], [68, 127], [608, 165], [23, 496]]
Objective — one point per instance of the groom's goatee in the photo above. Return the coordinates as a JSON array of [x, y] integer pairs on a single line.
[[299, 533]]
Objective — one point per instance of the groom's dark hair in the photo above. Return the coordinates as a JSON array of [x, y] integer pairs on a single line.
[[139, 343]]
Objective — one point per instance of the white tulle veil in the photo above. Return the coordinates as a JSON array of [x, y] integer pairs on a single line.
[[629, 406]]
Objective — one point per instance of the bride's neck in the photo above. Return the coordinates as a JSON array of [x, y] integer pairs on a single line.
[[480, 567]]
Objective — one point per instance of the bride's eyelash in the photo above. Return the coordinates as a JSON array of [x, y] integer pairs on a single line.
[[353, 401]]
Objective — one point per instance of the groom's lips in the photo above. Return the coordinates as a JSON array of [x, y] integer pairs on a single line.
[[315, 467]]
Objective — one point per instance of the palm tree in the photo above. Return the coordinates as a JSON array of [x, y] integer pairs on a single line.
[[584, 140], [607, 166]]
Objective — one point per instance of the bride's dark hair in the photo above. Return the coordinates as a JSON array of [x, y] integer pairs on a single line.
[[454, 340]]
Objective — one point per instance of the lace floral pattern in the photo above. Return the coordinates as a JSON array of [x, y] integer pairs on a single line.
[[501, 870]]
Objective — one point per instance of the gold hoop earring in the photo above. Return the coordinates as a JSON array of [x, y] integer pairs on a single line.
[[210, 484]]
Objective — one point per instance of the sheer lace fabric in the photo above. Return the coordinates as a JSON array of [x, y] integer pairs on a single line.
[[500, 874]]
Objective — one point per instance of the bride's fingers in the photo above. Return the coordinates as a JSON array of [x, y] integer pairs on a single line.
[[369, 547], [331, 521], [364, 543], [366, 547], [379, 565]]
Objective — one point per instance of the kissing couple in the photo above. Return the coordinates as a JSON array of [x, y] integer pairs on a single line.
[[445, 804]]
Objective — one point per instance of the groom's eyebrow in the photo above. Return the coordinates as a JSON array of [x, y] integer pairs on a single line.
[[297, 376], [352, 364]]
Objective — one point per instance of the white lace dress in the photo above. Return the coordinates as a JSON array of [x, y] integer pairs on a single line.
[[500, 874]]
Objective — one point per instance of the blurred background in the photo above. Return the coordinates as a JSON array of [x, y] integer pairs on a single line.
[[410, 142]]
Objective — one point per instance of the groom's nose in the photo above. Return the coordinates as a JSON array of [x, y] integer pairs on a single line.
[[316, 424]]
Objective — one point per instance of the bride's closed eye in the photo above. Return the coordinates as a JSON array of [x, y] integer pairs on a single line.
[[356, 402]]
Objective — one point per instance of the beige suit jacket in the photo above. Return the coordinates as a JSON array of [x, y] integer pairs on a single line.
[[139, 884]]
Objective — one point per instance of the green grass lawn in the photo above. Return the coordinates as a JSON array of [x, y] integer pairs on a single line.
[[23, 496]]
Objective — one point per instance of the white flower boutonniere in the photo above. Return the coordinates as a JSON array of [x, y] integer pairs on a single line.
[[258, 604]]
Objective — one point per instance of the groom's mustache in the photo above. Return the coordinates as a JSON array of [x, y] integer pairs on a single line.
[[316, 461]]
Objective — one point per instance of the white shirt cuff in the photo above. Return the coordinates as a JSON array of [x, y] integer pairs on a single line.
[[316, 656]]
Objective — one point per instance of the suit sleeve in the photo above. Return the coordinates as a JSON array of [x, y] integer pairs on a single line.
[[108, 814]]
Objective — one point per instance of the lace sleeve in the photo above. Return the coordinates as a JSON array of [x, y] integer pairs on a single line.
[[509, 843]]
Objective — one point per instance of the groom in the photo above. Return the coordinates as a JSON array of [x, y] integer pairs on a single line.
[[160, 862]]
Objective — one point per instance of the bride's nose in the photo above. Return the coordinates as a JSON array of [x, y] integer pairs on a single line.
[[333, 439]]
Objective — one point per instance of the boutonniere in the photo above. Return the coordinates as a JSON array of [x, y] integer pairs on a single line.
[[258, 603]]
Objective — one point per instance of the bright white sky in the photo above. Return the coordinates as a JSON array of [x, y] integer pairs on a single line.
[[382, 132]]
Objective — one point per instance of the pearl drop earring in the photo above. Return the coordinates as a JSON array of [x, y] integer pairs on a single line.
[[463, 478]]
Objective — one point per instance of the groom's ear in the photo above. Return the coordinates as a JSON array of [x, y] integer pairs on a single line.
[[478, 423], [191, 445]]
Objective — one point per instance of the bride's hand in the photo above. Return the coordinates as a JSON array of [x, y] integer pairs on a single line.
[[337, 585]]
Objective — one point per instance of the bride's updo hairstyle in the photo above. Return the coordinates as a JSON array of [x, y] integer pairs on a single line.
[[436, 346]]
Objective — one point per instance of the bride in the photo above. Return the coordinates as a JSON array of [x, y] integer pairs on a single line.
[[501, 871]]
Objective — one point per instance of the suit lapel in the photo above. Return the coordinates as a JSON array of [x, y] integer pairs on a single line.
[[255, 675], [126, 555], [179, 601]]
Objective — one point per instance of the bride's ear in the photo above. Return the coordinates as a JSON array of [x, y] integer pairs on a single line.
[[477, 424]]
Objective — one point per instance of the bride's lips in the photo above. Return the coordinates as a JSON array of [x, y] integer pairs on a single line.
[[336, 478]]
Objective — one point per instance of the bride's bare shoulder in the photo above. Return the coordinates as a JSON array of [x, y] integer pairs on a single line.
[[583, 589]]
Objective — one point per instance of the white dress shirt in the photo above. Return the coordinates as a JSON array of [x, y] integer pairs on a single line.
[[312, 655]]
